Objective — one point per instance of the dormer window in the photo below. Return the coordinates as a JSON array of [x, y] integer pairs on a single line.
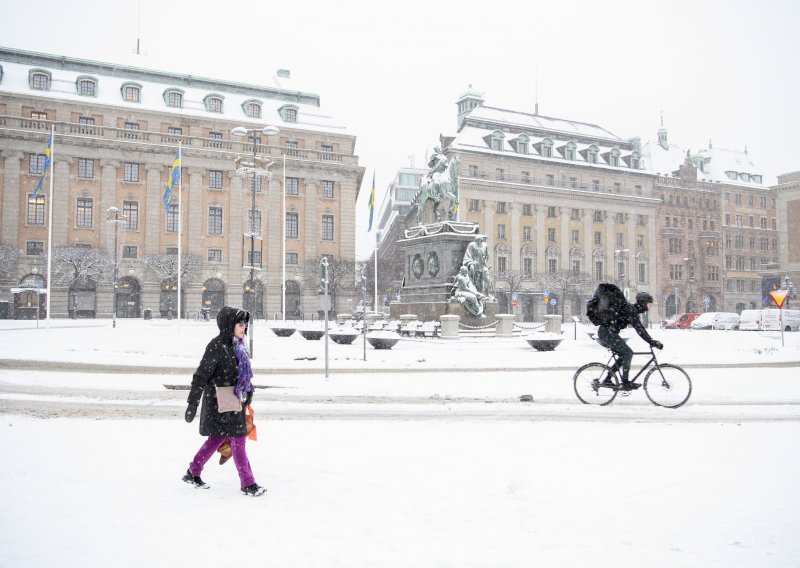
[[521, 144], [633, 161], [568, 151], [612, 157], [213, 103], [545, 148], [252, 109], [755, 178], [744, 177], [288, 113], [173, 98], [131, 92], [731, 174], [86, 86], [39, 80], [591, 154], [496, 141]]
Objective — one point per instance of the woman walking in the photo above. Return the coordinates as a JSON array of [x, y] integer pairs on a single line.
[[225, 363]]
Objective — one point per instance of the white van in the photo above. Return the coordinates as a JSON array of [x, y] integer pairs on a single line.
[[771, 320], [750, 320]]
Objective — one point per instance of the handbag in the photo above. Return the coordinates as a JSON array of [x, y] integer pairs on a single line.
[[227, 401], [248, 420]]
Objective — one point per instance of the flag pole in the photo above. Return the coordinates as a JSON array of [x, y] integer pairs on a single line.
[[376, 270], [180, 226], [50, 230]]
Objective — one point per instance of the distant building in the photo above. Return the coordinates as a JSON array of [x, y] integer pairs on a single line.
[[395, 206], [788, 208], [117, 132]]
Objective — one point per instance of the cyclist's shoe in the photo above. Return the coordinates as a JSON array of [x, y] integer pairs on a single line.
[[628, 386], [607, 382]]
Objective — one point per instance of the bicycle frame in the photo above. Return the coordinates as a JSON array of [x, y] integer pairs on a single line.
[[652, 361]]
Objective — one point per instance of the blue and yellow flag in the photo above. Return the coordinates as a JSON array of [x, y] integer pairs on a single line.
[[47, 153], [173, 180], [371, 203]]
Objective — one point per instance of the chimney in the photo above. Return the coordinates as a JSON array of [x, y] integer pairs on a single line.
[[284, 73]]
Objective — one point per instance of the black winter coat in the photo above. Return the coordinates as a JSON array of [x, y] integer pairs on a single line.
[[218, 368], [626, 315]]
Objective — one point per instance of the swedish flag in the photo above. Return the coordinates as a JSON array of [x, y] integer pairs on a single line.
[[371, 203], [173, 181], [47, 161]]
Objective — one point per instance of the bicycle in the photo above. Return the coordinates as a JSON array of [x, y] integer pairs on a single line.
[[665, 384]]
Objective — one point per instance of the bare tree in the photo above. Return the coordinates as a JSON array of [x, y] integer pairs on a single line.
[[77, 266], [166, 266], [341, 277], [568, 284], [512, 282], [8, 261], [390, 275]]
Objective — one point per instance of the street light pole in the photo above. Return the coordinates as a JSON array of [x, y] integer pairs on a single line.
[[241, 131], [115, 219]]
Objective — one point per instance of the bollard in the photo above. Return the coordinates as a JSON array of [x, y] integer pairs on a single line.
[[505, 325], [450, 326]]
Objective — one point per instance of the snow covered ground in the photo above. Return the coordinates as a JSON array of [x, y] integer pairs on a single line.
[[399, 460]]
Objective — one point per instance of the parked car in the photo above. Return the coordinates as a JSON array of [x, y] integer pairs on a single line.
[[726, 321], [771, 320], [750, 320], [683, 321], [707, 320], [669, 320]]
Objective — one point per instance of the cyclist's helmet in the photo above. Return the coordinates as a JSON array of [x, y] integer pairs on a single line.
[[642, 299]]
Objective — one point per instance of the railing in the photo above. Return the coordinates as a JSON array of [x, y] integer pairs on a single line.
[[552, 182], [685, 184], [143, 136]]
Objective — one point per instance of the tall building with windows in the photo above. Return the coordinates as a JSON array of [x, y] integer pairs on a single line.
[[117, 129], [788, 210], [394, 208], [554, 195]]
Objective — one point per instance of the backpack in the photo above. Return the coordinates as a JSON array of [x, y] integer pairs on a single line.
[[606, 305]]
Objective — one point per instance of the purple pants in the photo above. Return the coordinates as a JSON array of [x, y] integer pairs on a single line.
[[211, 445]]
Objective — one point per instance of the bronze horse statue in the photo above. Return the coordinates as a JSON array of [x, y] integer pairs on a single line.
[[439, 186]]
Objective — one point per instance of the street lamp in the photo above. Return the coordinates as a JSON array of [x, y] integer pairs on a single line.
[[259, 165], [622, 256], [115, 218]]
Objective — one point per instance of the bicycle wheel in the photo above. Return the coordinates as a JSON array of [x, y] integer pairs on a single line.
[[589, 387], [668, 385]]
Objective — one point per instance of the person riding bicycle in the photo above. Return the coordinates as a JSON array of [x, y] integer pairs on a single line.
[[608, 335]]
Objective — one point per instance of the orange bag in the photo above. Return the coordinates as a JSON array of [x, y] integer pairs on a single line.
[[248, 420]]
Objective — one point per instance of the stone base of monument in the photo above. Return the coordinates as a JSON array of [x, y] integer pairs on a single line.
[[433, 311]]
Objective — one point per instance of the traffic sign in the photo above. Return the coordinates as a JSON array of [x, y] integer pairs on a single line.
[[553, 301], [779, 297], [547, 292]]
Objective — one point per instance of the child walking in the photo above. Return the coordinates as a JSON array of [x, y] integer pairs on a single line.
[[225, 363]]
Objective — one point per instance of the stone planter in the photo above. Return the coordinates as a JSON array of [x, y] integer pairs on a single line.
[[544, 341], [385, 340], [312, 334], [343, 337], [283, 331]]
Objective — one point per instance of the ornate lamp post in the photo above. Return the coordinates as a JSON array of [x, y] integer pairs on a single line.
[[260, 166], [115, 218]]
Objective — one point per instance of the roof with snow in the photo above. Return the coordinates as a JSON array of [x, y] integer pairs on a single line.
[[16, 67]]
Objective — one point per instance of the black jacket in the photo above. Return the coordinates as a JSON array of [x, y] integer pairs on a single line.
[[629, 315], [218, 368]]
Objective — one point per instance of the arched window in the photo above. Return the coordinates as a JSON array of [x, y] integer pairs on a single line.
[[528, 261], [173, 98], [131, 92], [252, 108], [214, 103], [288, 113], [39, 79], [86, 86]]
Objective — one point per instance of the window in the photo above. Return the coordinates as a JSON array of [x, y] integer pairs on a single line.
[[640, 241], [254, 221], [292, 186], [87, 87], [85, 168], [738, 220], [215, 220], [34, 248], [254, 182], [254, 258], [327, 189], [132, 93], [40, 81], [131, 172], [83, 215], [752, 263], [214, 255], [763, 222], [547, 148], [499, 174], [576, 236], [252, 109], [617, 187], [751, 221], [36, 115], [738, 198], [739, 263], [550, 179], [292, 147], [36, 163], [174, 132], [752, 243], [327, 227], [325, 149], [474, 205], [598, 238], [637, 189], [595, 185], [171, 251], [292, 258], [290, 114], [597, 217], [762, 201], [576, 266], [130, 211], [214, 104], [497, 141], [215, 179], [575, 214], [591, 155], [620, 239], [551, 235], [527, 267], [174, 99], [551, 212], [598, 270], [501, 207], [131, 130], [472, 171], [292, 225], [526, 233], [552, 265], [667, 222], [676, 272], [501, 231], [619, 218], [172, 219], [215, 139], [642, 273], [130, 251], [573, 183], [525, 177], [502, 264]]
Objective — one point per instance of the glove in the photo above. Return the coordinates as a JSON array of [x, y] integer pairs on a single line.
[[249, 398], [657, 345], [191, 410]]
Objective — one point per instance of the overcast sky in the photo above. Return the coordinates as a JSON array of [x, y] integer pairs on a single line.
[[391, 72]]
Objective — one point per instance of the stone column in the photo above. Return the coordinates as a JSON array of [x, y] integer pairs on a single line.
[[192, 201], [565, 242], [235, 255], [155, 213], [588, 243], [108, 196], [14, 201], [541, 239], [62, 204], [271, 272], [515, 238]]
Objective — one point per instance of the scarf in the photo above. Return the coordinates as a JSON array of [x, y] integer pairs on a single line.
[[245, 372]]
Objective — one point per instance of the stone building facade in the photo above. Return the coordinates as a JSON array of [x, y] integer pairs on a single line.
[[117, 130]]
